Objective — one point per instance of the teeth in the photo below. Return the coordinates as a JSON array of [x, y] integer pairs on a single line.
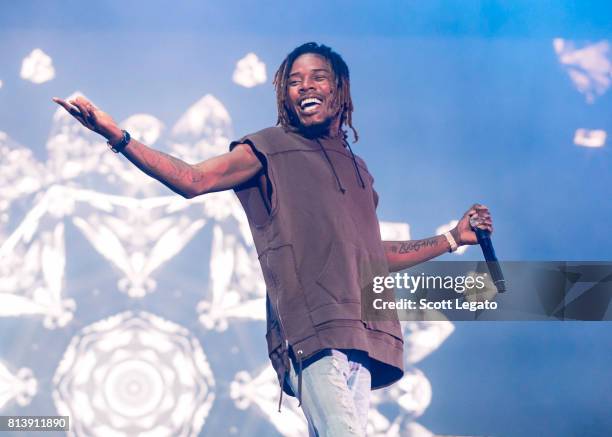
[[310, 100]]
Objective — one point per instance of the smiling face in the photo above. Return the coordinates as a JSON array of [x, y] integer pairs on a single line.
[[311, 89]]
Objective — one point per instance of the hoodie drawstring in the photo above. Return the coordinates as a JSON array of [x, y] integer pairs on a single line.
[[287, 363], [338, 181], [299, 393], [355, 164], [340, 187], [280, 400], [300, 354]]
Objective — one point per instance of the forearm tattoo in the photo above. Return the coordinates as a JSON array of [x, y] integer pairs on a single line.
[[172, 171], [414, 246]]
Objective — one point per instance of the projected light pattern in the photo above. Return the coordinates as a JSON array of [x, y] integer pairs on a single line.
[[203, 131], [250, 71], [20, 386], [137, 237], [237, 288], [412, 394], [590, 137], [144, 128], [261, 391], [37, 67], [391, 231], [589, 67], [31, 281], [134, 374]]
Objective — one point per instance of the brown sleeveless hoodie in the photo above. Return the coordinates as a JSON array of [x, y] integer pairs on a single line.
[[319, 246]]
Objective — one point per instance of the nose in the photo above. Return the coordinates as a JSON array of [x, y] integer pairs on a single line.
[[307, 84]]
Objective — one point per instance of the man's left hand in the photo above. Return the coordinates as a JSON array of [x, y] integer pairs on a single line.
[[463, 232]]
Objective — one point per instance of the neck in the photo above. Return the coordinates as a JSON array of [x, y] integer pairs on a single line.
[[330, 129]]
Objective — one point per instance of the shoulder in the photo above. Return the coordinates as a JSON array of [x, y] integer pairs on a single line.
[[269, 134], [362, 164], [275, 140], [266, 140], [361, 161]]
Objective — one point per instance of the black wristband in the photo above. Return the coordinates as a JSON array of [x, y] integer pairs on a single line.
[[122, 144]]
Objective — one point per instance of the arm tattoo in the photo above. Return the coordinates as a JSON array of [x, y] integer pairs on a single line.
[[415, 246], [174, 173], [169, 166]]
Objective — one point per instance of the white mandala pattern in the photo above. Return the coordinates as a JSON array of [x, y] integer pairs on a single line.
[[134, 375], [37, 67], [20, 386], [250, 71], [589, 67], [262, 391]]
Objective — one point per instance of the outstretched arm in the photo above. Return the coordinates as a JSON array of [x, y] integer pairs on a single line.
[[189, 180], [403, 254]]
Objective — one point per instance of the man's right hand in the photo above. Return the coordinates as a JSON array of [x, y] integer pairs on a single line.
[[92, 118]]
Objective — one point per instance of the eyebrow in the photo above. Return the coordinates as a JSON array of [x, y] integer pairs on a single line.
[[316, 70]]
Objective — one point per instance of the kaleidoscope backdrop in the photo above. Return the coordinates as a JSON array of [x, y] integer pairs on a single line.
[[140, 313]]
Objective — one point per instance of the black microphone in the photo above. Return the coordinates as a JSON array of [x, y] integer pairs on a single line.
[[484, 239]]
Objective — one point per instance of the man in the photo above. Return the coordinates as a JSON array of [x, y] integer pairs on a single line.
[[311, 208]]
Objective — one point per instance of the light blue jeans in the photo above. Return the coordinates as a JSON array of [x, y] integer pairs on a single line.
[[336, 386]]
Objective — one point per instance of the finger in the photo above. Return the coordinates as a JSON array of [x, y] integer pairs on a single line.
[[64, 104], [86, 104], [483, 212], [484, 224], [91, 111], [79, 103], [85, 115], [83, 101], [481, 224], [485, 228], [91, 106], [70, 109], [479, 207], [93, 118]]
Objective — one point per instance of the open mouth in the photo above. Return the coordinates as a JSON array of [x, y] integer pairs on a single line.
[[310, 104]]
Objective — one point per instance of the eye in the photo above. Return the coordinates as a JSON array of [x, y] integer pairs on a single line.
[[294, 82]]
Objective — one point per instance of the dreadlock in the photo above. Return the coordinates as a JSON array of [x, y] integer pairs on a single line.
[[342, 96]]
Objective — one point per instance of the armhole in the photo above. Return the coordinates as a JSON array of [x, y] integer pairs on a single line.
[[375, 196], [262, 183]]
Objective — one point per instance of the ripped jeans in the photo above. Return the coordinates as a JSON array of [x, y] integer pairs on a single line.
[[336, 386]]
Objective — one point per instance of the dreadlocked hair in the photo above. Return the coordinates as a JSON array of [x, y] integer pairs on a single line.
[[342, 93]]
